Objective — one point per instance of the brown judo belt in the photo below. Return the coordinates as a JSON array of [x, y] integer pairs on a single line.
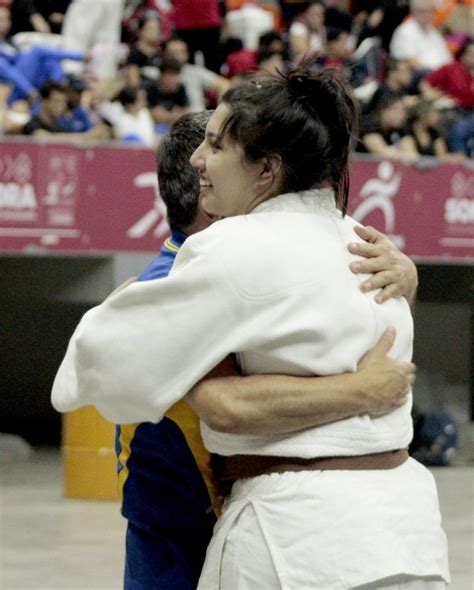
[[241, 466]]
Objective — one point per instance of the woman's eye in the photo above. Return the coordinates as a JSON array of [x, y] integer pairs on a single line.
[[215, 146]]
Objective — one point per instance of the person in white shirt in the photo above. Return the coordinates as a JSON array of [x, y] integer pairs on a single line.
[[418, 41], [338, 506], [307, 33], [197, 80], [129, 117]]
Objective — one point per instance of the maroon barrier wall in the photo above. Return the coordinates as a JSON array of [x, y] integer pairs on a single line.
[[57, 198]]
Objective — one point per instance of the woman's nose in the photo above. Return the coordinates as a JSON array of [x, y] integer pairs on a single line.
[[196, 159]]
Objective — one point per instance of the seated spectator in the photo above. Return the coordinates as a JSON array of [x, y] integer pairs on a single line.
[[53, 106], [26, 16], [53, 121], [197, 81], [270, 62], [239, 61], [454, 80], [379, 18], [28, 70], [167, 97], [144, 59], [337, 15], [385, 132], [12, 118], [135, 10], [425, 119], [461, 135], [130, 118], [77, 119], [273, 41], [307, 33], [338, 50], [417, 41], [398, 79]]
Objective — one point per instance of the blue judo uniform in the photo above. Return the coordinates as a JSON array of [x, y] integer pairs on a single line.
[[166, 485]]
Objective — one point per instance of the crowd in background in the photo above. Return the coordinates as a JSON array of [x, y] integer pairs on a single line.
[[89, 70]]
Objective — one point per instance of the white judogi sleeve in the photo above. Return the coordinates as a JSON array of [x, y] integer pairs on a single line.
[[140, 351]]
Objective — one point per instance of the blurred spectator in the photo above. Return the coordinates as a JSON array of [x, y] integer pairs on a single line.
[[338, 50], [273, 41], [455, 83], [461, 134], [197, 80], [337, 15], [425, 120], [248, 23], [93, 25], [54, 119], [398, 79], [76, 119], [199, 25], [385, 132], [240, 61], [454, 80], [53, 12], [135, 10], [307, 33], [270, 62], [167, 98], [417, 41], [379, 18], [26, 16], [130, 118], [26, 71], [53, 106], [144, 59]]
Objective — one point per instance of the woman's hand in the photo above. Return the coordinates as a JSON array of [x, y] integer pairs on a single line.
[[392, 271]]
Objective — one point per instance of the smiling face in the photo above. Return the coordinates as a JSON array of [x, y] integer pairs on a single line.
[[229, 184]]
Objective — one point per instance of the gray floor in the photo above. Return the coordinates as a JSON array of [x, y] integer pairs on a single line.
[[48, 543]]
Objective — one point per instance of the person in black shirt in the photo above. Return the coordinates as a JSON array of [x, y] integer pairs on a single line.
[[144, 59], [398, 79], [53, 106], [167, 99], [385, 132]]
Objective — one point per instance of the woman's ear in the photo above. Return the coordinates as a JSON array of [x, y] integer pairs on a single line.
[[271, 170]]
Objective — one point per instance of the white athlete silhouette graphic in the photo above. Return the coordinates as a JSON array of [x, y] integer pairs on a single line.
[[378, 193], [155, 215]]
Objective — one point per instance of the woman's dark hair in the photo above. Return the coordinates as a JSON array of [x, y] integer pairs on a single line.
[[307, 118]]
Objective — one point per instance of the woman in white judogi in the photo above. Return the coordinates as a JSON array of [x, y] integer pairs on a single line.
[[271, 282]]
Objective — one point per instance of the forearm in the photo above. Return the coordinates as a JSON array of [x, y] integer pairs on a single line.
[[278, 404]]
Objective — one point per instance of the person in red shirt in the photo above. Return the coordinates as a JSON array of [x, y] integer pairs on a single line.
[[199, 25], [455, 80]]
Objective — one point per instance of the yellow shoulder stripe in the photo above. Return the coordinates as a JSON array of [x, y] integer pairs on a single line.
[[127, 433], [169, 244]]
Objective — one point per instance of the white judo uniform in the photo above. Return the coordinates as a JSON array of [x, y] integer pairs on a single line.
[[275, 287]]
